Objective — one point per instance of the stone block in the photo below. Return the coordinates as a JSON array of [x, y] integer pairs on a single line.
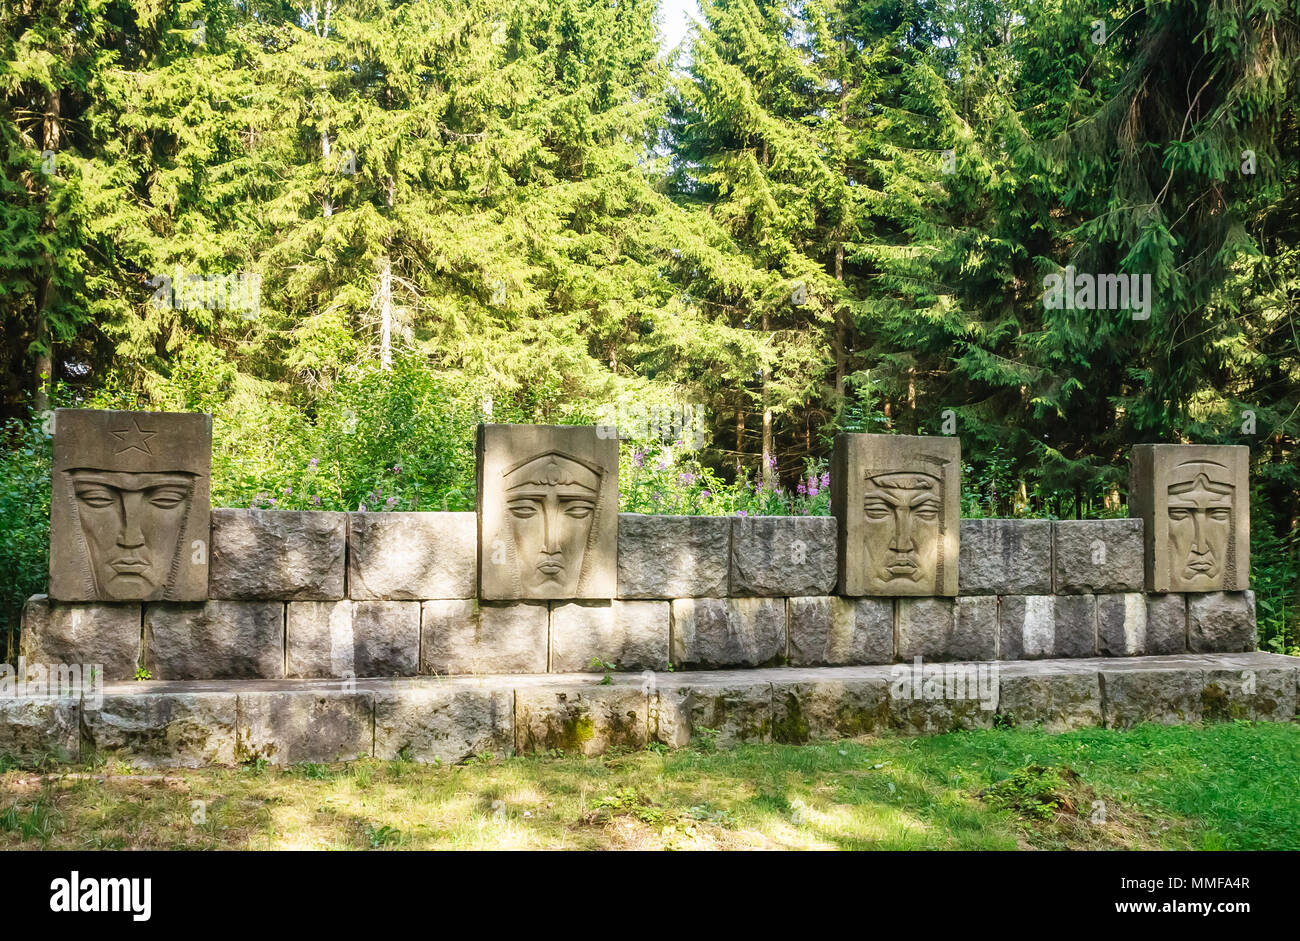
[[948, 628], [1221, 622], [1166, 624], [581, 719], [284, 555], [725, 711], [782, 556], [129, 506], [897, 508], [1165, 697], [1054, 702], [631, 635], [1267, 695], [214, 640], [1037, 626], [34, 730], [443, 724], [285, 728], [818, 709], [548, 512], [932, 698], [670, 557], [1195, 502], [1097, 556], [467, 637], [411, 556], [106, 634], [728, 632], [1006, 557], [164, 730], [1122, 625], [833, 631]]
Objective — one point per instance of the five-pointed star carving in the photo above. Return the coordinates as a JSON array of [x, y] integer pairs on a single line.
[[137, 440]]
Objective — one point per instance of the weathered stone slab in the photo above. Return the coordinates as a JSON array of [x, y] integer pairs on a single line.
[[34, 730], [1195, 502], [833, 631], [1165, 697], [466, 637], [673, 556], [411, 556], [1122, 624], [319, 639], [1166, 624], [896, 500], [106, 634], [948, 629], [725, 632], [1055, 702], [164, 730], [1221, 622], [1006, 557], [727, 711], [584, 720], [932, 698], [129, 506], [631, 635], [1097, 556], [924, 627], [1037, 626], [214, 640], [317, 725], [1257, 695], [815, 710], [447, 724], [782, 556], [548, 512], [286, 555]]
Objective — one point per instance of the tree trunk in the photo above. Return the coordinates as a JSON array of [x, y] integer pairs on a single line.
[[769, 473], [386, 314], [840, 356], [45, 295]]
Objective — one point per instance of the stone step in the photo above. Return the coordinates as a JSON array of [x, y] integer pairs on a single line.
[[450, 718]]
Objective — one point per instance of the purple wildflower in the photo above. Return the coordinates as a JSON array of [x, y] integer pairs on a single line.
[[316, 500], [826, 479], [802, 489], [390, 501], [741, 513], [313, 462], [638, 458]]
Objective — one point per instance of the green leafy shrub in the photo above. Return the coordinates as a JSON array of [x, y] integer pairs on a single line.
[[24, 519]]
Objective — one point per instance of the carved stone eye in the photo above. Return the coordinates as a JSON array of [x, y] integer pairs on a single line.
[[523, 511], [578, 511], [98, 498], [167, 499]]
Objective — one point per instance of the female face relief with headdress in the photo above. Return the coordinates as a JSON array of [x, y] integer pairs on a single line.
[[1200, 525], [551, 506]]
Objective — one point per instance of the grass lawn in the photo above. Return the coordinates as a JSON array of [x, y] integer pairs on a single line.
[[1232, 786]]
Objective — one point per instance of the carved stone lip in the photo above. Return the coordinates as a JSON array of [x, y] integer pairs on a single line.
[[551, 568]]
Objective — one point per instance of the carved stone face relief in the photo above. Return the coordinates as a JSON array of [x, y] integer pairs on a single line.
[[548, 512], [1199, 509], [1193, 499], [895, 501], [129, 517]]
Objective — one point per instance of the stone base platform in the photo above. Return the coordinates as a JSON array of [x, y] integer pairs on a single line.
[[448, 719]]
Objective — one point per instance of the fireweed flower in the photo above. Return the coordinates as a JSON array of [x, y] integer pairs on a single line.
[[826, 479], [802, 489], [313, 462], [315, 501], [638, 458]]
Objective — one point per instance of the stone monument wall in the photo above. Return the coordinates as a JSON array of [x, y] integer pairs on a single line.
[[321, 594]]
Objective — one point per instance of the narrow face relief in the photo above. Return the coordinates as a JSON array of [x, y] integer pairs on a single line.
[[132, 525], [551, 503], [1200, 515], [903, 514]]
